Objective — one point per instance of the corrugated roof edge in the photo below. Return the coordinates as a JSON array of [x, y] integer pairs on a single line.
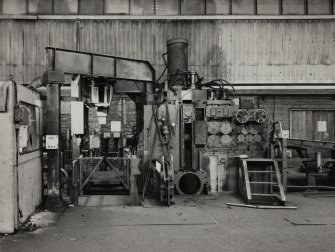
[[191, 17]]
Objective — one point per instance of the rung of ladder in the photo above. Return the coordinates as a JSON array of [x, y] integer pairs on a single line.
[[264, 194], [261, 171], [265, 182], [268, 180]]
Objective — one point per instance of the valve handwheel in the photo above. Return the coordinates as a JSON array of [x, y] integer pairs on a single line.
[[242, 116], [260, 115]]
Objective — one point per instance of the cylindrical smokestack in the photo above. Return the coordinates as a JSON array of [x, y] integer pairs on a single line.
[[177, 60]]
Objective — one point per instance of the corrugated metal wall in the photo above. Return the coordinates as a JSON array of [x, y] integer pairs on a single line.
[[242, 51], [22, 46]]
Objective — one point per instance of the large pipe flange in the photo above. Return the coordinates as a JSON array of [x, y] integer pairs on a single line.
[[190, 183]]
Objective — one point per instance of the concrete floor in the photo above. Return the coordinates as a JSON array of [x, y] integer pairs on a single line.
[[192, 225]]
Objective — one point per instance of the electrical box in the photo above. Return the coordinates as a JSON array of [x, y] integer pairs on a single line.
[[115, 126], [51, 142], [107, 135], [102, 117], [94, 142], [116, 135], [77, 117]]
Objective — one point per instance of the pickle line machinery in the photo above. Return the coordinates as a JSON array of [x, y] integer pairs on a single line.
[[189, 131], [194, 131]]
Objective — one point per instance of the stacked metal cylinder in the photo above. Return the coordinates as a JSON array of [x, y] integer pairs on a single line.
[[219, 133], [249, 134]]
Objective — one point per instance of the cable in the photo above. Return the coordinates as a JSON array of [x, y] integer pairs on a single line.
[[186, 93], [164, 68], [221, 83], [164, 58], [147, 178], [274, 107], [161, 75]]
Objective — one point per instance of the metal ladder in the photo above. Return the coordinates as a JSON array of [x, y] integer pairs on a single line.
[[257, 178]]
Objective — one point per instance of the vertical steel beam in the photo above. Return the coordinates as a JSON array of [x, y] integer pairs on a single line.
[[280, 7], [284, 162], [53, 199], [134, 172], [255, 7], [306, 7]]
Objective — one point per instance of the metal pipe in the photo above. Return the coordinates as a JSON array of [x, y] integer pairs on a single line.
[[318, 161], [193, 76], [331, 188]]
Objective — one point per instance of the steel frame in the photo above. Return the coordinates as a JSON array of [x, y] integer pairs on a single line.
[[131, 173], [299, 145], [64, 59]]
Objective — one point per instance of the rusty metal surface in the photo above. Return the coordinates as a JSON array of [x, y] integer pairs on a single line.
[[242, 51], [80, 62]]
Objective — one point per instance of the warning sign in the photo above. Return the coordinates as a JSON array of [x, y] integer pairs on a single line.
[[322, 126]]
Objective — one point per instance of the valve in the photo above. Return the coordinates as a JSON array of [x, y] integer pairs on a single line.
[[260, 115], [242, 116]]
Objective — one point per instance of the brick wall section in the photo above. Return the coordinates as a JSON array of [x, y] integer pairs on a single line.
[[278, 107], [93, 120], [114, 114], [65, 118], [118, 104], [130, 118]]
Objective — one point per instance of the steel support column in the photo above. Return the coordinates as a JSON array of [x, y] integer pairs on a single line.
[[53, 198]]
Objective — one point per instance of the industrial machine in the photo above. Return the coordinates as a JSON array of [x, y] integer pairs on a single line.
[[194, 131], [95, 78], [315, 168], [188, 131]]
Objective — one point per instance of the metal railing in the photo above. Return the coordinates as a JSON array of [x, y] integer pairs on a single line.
[[125, 168]]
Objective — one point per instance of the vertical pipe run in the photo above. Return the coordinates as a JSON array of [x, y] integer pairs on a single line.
[[213, 173], [318, 162], [193, 77]]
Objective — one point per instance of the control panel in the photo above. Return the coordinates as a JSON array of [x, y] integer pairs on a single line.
[[51, 142]]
